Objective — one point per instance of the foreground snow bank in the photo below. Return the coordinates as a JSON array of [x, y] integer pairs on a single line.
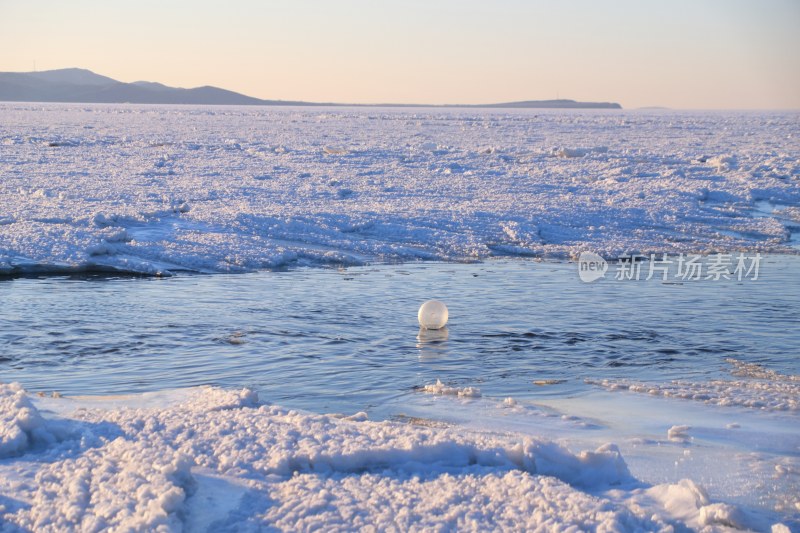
[[152, 189], [218, 459], [21, 425]]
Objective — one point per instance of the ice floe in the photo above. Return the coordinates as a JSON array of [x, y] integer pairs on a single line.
[[764, 389], [441, 388]]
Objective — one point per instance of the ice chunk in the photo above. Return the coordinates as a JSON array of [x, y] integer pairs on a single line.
[[21, 425], [441, 388], [678, 433]]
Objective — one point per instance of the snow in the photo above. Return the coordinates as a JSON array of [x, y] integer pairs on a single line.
[[222, 460], [157, 189], [21, 425], [762, 389]]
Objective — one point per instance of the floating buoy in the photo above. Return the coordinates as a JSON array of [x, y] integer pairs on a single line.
[[432, 315]]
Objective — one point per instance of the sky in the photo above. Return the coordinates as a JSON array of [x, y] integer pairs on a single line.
[[686, 54]]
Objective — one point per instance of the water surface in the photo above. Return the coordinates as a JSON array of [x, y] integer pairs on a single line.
[[348, 340]]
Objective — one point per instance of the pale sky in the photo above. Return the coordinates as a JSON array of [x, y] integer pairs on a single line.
[[701, 54]]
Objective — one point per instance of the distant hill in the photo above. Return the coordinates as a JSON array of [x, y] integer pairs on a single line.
[[556, 104], [84, 86]]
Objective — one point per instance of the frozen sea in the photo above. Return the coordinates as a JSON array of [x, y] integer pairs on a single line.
[[224, 302]]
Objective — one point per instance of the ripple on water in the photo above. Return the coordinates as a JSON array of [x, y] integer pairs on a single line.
[[312, 339]]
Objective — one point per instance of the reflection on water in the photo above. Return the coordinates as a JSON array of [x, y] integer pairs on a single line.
[[432, 343], [348, 340]]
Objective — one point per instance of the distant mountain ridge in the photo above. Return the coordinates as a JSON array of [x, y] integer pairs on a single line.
[[84, 86], [554, 104]]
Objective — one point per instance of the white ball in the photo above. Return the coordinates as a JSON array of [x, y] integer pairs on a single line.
[[432, 315]]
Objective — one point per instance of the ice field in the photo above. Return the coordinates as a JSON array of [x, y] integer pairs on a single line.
[[157, 189], [294, 390]]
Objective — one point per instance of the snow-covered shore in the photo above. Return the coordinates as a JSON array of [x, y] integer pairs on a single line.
[[210, 459], [153, 189]]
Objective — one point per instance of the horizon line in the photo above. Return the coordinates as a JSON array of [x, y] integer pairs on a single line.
[[308, 103]]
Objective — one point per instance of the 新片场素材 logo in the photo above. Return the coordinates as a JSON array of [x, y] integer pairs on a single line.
[[672, 268], [591, 267]]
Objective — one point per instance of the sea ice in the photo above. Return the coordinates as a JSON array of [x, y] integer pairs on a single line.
[[222, 459], [441, 388], [762, 389], [156, 189]]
